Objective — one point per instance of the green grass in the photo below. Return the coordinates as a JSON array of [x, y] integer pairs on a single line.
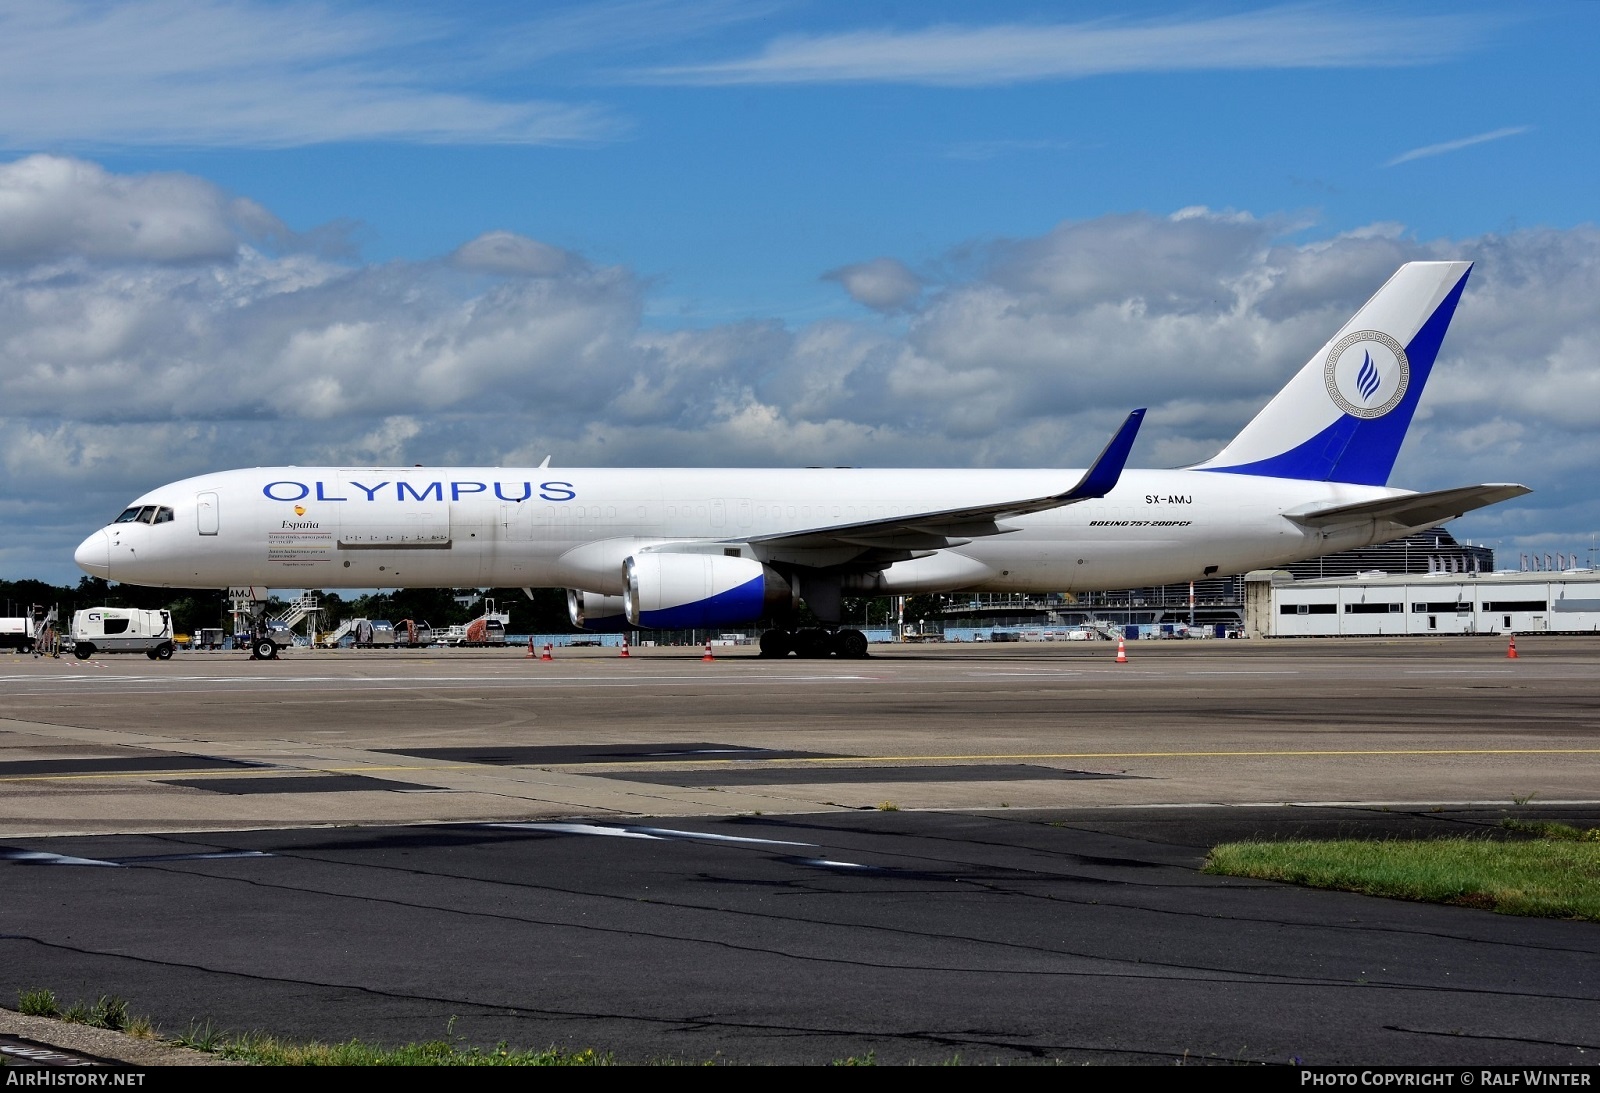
[[38, 1003], [1547, 829], [108, 1011], [1550, 877], [111, 1012], [269, 1051]]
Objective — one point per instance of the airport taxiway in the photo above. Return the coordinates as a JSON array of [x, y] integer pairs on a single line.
[[984, 852], [1008, 936], [215, 741]]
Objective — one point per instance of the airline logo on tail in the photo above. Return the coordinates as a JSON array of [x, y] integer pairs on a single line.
[[1367, 374], [1344, 415]]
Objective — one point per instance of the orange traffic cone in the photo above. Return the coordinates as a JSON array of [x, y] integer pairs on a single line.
[[1511, 653], [547, 655], [531, 653], [1122, 652], [708, 655], [624, 654]]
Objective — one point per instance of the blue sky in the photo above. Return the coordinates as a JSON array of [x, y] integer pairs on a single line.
[[735, 195], [782, 226]]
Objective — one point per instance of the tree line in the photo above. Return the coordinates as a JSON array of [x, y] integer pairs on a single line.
[[199, 608]]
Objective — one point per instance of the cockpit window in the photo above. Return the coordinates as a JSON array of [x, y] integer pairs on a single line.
[[145, 514]]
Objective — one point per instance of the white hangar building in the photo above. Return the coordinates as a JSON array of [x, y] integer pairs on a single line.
[[1374, 604]]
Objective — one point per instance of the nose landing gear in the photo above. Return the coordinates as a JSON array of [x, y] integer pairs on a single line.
[[814, 642]]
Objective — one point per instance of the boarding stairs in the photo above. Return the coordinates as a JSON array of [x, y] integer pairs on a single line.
[[296, 612], [346, 628]]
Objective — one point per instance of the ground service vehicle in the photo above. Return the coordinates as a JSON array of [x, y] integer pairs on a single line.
[[122, 630]]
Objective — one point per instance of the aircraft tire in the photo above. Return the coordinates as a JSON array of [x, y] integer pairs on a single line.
[[264, 650], [850, 644], [776, 643]]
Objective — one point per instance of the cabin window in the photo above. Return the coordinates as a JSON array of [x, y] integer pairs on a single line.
[[128, 516], [163, 516]]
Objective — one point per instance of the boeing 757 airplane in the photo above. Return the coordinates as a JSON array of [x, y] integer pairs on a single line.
[[687, 548]]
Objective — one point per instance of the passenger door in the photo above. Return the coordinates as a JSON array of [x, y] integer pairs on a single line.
[[205, 507]]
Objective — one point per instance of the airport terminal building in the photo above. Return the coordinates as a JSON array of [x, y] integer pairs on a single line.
[[1376, 603], [1425, 583]]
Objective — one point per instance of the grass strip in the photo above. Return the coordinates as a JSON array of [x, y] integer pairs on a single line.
[[1546, 878], [1548, 829], [269, 1051]]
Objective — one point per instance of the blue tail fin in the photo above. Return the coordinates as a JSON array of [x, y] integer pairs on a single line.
[[1344, 415]]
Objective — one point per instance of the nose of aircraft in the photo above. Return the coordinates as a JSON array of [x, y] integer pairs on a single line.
[[94, 555]]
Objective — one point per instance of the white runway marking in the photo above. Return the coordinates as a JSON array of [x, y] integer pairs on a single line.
[[660, 833], [40, 857]]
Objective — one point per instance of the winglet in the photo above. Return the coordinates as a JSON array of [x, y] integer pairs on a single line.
[[1101, 478]]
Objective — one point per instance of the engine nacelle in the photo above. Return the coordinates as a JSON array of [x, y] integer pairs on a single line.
[[595, 612], [701, 591]]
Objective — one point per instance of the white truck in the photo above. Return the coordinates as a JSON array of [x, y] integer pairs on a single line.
[[122, 630], [16, 633]]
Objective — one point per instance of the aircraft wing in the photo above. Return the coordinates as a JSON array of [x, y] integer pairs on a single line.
[[1413, 509], [900, 537]]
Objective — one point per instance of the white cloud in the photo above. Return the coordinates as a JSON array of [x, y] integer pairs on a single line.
[[882, 284], [1456, 145], [252, 74], [54, 207], [121, 369], [1283, 37], [512, 255]]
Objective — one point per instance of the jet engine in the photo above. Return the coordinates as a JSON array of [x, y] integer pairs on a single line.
[[595, 612], [701, 591]]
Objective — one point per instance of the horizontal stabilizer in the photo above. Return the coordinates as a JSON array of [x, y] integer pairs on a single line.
[[1413, 510]]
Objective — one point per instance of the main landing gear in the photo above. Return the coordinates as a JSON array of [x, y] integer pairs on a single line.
[[847, 644]]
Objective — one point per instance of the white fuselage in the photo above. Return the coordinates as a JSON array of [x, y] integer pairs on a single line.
[[297, 527]]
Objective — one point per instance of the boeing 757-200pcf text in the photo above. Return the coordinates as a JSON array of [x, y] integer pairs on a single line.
[[658, 548]]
